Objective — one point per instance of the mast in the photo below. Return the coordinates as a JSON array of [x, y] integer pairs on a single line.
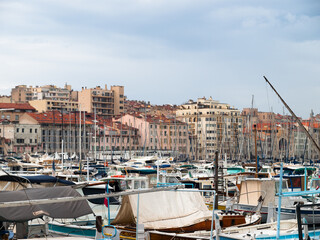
[[80, 136], [130, 129], [294, 115], [95, 134], [104, 145], [84, 134]]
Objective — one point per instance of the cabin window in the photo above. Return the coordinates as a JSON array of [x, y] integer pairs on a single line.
[[136, 184], [284, 186]]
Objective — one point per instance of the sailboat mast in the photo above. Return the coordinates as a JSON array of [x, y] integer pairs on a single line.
[[80, 136], [294, 115]]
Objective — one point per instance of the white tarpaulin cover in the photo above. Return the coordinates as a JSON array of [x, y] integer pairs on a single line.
[[163, 210]]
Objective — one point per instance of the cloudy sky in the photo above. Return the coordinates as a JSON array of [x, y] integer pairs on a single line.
[[168, 51]]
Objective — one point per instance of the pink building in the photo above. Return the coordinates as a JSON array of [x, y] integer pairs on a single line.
[[115, 136], [159, 132]]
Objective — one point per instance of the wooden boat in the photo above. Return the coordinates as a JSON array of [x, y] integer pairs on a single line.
[[288, 230], [171, 213]]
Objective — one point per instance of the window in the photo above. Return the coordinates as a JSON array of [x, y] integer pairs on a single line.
[[17, 117], [36, 130], [17, 130], [30, 140], [30, 130], [22, 130]]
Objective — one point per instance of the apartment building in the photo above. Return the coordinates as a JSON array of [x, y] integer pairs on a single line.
[[116, 138], [51, 92], [6, 99], [13, 111], [46, 98], [27, 138], [70, 132], [46, 105], [213, 126], [103, 101], [159, 133], [6, 136], [21, 94]]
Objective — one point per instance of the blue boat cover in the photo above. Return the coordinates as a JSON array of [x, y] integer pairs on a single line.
[[46, 178]]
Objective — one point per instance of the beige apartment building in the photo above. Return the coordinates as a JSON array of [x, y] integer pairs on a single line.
[[21, 94], [213, 126], [5, 99], [51, 92], [105, 102], [47, 97], [49, 105]]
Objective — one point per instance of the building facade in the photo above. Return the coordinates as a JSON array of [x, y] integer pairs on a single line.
[[67, 132], [13, 111], [27, 138], [116, 139], [105, 103], [46, 105], [21, 94], [159, 133], [213, 126]]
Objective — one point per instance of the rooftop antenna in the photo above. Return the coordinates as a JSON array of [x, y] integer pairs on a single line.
[[294, 115]]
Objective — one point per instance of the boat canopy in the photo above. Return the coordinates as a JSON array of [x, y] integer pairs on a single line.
[[71, 209], [253, 188], [34, 179], [5, 176], [163, 210], [46, 179]]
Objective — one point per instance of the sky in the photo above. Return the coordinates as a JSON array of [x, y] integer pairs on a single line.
[[168, 51]]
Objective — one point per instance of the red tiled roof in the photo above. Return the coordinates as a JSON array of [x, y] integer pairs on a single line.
[[55, 117], [156, 118], [308, 123], [19, 106]]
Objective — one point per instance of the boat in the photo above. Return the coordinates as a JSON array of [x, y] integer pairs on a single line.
[[288, 228], [170, 212], [253, 189], [36, 203]]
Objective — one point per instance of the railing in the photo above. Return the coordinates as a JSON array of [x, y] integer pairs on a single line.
[[174, 184], [302, 222]]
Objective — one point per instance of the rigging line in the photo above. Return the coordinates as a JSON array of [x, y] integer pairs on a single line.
[[268, 97]]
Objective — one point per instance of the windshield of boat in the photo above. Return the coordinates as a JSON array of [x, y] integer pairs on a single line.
[[315, 183], [265, 170], [284, 186]]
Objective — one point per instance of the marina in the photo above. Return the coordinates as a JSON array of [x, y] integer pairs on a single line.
[[159, 120], [153, 196]]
